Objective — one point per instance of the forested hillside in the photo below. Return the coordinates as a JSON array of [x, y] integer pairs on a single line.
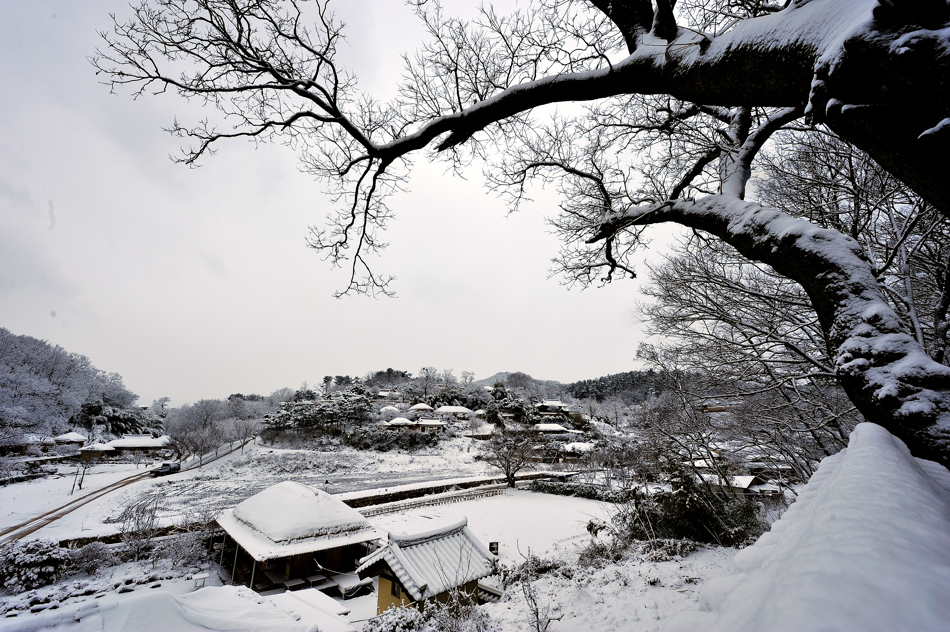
[[632, 386], [45, 389]]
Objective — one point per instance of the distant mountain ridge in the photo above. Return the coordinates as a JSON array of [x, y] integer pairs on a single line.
[[503, 377]]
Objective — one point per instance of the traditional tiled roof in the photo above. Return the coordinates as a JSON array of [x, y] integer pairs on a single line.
[[429, 563]]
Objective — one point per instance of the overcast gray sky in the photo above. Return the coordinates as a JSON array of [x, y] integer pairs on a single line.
[[196, 283]]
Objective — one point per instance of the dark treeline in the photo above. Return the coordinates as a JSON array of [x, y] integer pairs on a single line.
[[631, 387]]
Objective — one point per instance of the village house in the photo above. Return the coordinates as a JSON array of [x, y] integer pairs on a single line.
[[139, 444], [454, 412], [552, 429], [96, 451], [742, 485], [552, 407], [70, 438], [432, 566], [420, 425], [291, 536]]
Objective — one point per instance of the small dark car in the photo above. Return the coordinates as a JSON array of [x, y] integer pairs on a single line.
[[166, 468]]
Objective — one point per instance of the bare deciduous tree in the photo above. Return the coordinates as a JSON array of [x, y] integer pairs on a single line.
[[729, 77], [510, 451]]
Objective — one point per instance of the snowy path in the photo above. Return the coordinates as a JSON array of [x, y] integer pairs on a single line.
[[93, 493]]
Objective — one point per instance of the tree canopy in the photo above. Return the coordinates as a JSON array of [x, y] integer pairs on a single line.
[[679, 102]]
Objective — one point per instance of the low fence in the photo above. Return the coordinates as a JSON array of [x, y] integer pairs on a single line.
[[474, 494]]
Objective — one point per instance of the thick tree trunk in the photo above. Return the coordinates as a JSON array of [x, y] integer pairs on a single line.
[[880, 365]]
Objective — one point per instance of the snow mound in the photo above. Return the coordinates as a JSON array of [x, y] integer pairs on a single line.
[[865, 547], [230, 608]]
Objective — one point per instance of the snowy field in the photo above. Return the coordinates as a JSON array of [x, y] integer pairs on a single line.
[[22, 501], [522, 522], [866, 547], [227, 481], [632, 596]]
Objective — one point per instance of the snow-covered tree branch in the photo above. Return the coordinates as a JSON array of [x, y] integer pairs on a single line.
[[696, 92]]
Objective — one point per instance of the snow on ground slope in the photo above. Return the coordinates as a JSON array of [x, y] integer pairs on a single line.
[[865, 547], [631, 596]]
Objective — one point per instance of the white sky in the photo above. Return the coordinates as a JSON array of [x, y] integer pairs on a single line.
[[197, 283]]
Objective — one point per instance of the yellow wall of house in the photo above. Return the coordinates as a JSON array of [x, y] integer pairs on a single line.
[[385, 598]]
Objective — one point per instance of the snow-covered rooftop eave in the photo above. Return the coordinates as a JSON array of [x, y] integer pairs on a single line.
[[262, 548]]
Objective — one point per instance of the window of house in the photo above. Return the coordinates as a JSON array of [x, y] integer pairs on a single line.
[[396, 589]]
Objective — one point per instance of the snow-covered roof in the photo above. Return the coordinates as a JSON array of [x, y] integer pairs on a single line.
[[70, 437], [737, 482], [549, 428], [213, 608], [400, 421], [420, 406], [431, 562], [430, 422], [578, 447], [389, 409], [97, 447], [139, 441], [453, 410], [552, 403], [289, 518]]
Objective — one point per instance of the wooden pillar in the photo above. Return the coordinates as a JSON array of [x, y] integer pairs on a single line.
[[253, 568], [224, 543], [237, 547]]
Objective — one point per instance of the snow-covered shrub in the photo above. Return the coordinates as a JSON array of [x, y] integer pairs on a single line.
[[691, 510], [90, 558], [181, 549], [386, 440], [29, 564], [534, 567], [396, 620], [458, 613], [583, 490]]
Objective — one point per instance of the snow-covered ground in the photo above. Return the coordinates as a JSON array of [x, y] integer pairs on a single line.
[[226, 482], [522, 522], [866, 547], [22, 501]]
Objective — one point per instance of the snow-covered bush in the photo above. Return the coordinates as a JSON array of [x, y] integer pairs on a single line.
[[583, 490], [29, 564], [90, 558], [458, 613], [396, 620], [181, 549], [386, 440], [691, 510], [532, 568]]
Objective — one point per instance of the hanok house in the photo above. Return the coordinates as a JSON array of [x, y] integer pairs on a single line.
[[742, 485], [70, 439], [96, 451], [144, 444], [291, 536], [454, 412], [428, 567], [552, 407], [420, 425]]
